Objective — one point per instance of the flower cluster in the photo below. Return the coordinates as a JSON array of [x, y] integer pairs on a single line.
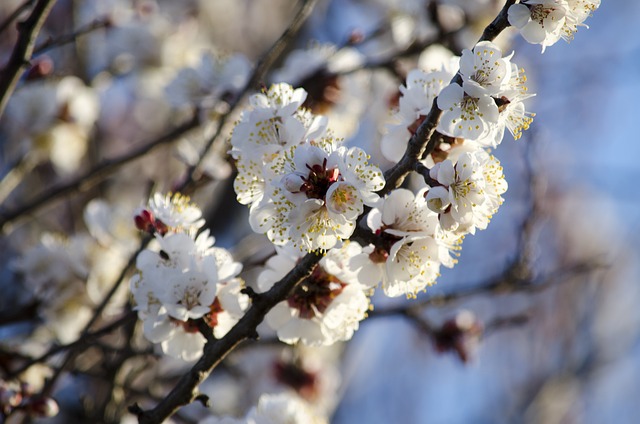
[[183, 278], [468, 191], [489, 99], [545, 22], [305, 189], [324, 308], [411, 246]]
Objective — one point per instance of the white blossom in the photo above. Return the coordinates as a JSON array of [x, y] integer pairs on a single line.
[[489, 100], [321, 191], [545, 22], [484, 70], [411, 249], [324, 308], [181, 279], [465, 115], [469, 193], [414, 105], [176, 212], [539, 21]]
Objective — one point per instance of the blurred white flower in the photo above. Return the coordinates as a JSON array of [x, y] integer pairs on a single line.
[[212, 80]]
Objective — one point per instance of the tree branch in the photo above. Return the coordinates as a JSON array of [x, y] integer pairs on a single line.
[[70, 38], [86, 340], [28, 32]]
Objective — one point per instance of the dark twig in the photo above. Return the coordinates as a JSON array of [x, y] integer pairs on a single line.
[[82, 341], [28, 32], [70, 38]]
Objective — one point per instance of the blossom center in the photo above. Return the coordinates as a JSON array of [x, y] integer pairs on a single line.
[[383, 246], [212, 317], [190, 297], [317, 183], [314, 295], [540, 13]]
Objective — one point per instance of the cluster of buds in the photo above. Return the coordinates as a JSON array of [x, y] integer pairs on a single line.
[[20, 397], [147, 222]]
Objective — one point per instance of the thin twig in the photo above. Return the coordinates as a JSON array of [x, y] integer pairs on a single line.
[[70, 38], [496, 286], [28, 32], [86, 340]]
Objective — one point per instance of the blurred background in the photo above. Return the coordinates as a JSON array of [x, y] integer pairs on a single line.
[[554, 280]]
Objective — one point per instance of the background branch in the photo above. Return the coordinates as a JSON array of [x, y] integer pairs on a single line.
[[28, 32], [95, 175]]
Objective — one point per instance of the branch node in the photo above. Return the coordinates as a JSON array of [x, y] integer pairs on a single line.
[[253, 335], [136, 410], [204, 400], [251, 293]]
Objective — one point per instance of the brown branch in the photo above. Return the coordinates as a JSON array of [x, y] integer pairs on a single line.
[[28, 32], [94, 175], [185, 391], [86, 340]]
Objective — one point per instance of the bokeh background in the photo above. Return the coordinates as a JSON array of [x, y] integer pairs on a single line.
[[573, 205]]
